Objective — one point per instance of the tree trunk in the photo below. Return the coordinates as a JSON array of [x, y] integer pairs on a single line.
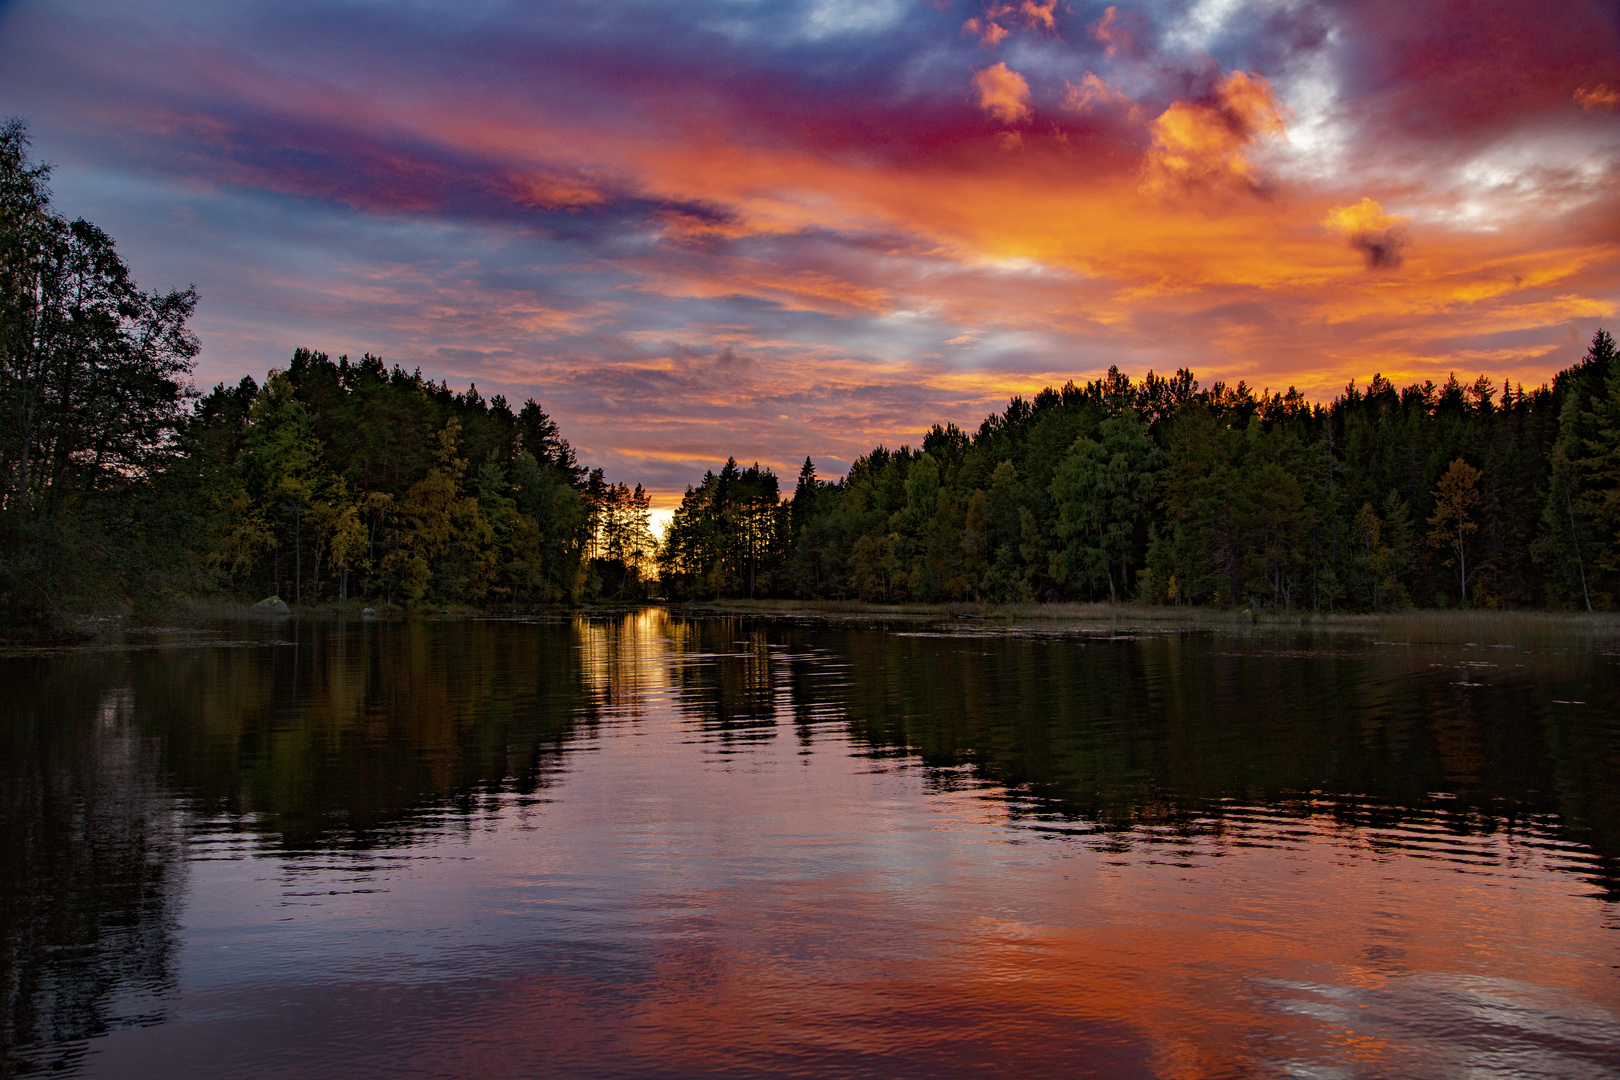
[[1575, 542], [1462, 562]]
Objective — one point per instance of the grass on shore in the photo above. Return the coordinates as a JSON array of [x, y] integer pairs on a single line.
[[1426, 626]]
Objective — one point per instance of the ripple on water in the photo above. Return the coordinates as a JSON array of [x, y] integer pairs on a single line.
[[662, 847]]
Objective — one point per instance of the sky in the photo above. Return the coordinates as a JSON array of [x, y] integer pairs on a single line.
[[785, 228]]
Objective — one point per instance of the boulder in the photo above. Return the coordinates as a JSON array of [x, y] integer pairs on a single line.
[[272, 606]]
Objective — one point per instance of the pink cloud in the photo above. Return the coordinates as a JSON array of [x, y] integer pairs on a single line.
[[987, 31], [1003, 93], [1091, 92], [1116, 33]]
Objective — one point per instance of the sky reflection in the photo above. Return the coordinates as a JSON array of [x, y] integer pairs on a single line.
[[656, 846]]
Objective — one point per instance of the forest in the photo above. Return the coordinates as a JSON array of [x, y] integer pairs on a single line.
[[1170, 493], [339, 481], [122, 487]]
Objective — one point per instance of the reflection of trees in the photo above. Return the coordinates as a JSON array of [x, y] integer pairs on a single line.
[[1123, 730], [90, 859], [621, 659], [357, 726], [722, 674], [348, 731], [1170, 730], [346, 734]]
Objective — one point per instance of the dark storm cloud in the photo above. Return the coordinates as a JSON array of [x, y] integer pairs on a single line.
[[1384, 249]]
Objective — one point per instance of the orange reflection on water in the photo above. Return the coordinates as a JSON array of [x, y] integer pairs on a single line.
[[1282, 945], [720, 859]]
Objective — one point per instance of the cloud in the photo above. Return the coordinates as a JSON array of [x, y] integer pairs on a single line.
[[987, 31], [1207, 142], [728, 360], [990, 31], [1038, 16], [1092, 91], [1441, 73], [1599, 97], [1003, 93], [1118, 33], [542, 202], [725, 360], [1381, 238], [553, 191]]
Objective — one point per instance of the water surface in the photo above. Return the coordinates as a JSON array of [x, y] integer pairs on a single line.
[[657, 846]]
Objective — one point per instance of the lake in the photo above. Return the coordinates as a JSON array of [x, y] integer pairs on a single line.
[[648, 844]]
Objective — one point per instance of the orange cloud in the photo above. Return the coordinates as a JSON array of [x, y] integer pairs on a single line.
[[1051, 254], [1203, 142], [1380, 237], [1003, 93], [1599, 97], [795, 290]]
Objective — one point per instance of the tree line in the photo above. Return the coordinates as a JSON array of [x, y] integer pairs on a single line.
[[120, 485], [1168, 492], [340, 480]]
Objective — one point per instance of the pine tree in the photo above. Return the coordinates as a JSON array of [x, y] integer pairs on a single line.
[[1564, 543], [1103, 491], [1600, 466]]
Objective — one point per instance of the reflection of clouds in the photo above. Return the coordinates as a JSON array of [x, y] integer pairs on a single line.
[[1446, 1024], [920, 883]]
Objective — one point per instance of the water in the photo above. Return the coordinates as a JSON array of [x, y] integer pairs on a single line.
[[654, 846]]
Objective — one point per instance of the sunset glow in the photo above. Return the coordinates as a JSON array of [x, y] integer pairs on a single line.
[[794, 228]]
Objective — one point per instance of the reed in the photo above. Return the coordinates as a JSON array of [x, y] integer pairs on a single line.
[[1438, 627]]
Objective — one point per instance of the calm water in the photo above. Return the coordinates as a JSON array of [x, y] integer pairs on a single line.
[[654, 846]]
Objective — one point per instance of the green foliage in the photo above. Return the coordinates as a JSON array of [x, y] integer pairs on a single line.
[[92, 390], [624, 550], [333, 480], [1579, 539], [1599, 466], [1452, 525], [1103, 489], [1168, 492], [728, 537], [340, 480]]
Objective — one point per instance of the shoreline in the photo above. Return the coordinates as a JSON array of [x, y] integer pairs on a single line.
[[1419, 625], [1436, 626]]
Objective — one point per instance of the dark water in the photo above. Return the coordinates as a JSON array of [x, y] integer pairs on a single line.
[[658, 847]]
